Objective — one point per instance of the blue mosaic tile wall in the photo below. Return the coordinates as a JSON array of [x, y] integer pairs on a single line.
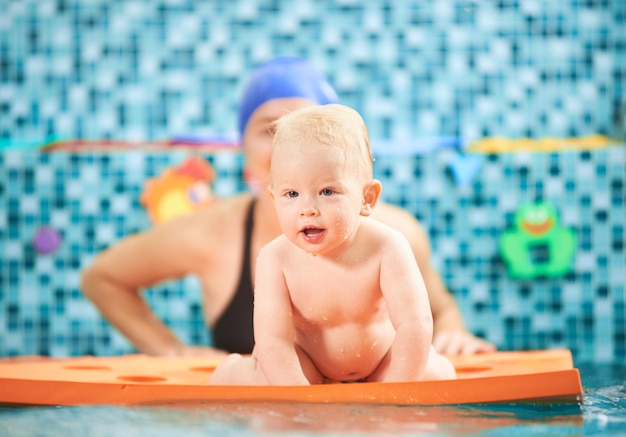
[[151, 70], [92, 198]]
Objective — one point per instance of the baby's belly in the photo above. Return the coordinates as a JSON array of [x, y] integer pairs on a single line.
[[348, 352]]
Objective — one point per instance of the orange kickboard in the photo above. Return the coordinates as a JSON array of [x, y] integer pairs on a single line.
[[501, 377]]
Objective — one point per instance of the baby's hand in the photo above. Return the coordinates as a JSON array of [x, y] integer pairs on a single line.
[[460, 343]]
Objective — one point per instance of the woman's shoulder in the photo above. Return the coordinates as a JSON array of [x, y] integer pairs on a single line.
[[395, 217], [217, 220], [223, 211], [401, 220], [408, 225]]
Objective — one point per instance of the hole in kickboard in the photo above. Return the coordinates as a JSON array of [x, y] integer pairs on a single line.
[[141, 378], [473, 369], [87, 367], [205, 369]]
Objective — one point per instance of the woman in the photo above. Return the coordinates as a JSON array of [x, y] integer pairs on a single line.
[[220, 243]]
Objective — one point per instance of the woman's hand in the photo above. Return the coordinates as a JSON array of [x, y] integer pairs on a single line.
[[198, 351], [460, 342]]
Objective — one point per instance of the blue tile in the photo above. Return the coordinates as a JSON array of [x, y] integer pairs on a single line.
[[419, 68]]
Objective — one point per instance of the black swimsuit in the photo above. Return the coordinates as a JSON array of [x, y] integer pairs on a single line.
[[233, 331]]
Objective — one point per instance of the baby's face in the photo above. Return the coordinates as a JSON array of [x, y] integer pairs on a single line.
[[318, 199]]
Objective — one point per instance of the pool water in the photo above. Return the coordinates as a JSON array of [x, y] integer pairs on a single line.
[[603, 413]]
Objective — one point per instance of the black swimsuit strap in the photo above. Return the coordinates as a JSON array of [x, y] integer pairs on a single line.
[[233, 331]]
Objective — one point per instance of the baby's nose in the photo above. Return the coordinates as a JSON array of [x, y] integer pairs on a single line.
[[309, 211]]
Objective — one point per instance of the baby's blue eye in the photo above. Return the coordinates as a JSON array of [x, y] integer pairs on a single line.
[[326, 192], [292, 194]]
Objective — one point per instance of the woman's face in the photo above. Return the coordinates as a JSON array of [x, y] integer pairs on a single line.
[[257, 139]]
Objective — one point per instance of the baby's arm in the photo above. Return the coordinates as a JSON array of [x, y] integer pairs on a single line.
[[407, 302], [275, 349]]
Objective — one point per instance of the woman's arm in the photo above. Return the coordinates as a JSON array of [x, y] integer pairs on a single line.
[[450, 336], [115, 279]]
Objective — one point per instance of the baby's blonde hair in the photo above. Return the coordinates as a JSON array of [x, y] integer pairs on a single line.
[[332, 125]]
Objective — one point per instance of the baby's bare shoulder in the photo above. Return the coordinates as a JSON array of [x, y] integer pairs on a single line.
[[381, 232], [280, 247]]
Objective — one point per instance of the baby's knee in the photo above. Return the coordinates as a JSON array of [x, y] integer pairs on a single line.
[[227, 370], [439, 367], [236, 369]]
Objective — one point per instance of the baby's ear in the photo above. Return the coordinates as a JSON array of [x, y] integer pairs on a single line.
[[371, 195], [270, 192]]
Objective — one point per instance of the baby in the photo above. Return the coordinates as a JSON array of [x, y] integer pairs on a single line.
[[339, 296]]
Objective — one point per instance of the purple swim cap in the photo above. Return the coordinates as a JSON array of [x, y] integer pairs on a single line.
[[284, 77]]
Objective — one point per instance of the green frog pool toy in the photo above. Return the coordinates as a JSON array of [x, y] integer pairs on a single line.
[[538, 245]]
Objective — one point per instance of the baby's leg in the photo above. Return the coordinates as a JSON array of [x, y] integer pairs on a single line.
[[236, 369], [438, 367], [308, 367]]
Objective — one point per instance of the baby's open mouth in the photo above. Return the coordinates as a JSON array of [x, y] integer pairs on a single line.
[[312, 232]]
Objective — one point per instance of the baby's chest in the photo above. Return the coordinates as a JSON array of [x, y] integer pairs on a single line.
[[337, 298], [333, 278]]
